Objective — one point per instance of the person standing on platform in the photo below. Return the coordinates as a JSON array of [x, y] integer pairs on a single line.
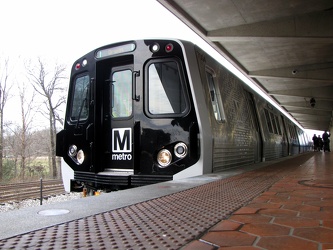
[[320, 143], [326, 141], [315, 142]]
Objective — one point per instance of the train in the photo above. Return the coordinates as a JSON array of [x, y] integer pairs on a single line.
[[146, 111]]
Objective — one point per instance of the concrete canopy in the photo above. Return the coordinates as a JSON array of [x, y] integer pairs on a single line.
[[283, 46]]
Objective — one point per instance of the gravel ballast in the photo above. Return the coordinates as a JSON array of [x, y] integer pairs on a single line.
[[4, 207]]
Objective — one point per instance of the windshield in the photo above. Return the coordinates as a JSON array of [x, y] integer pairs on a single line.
[[166, 94], [80, 107]]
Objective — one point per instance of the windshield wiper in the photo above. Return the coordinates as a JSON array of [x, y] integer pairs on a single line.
[[84, 102]]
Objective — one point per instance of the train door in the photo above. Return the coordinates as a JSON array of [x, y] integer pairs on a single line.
[[285, 140], [119, 121], [257, 134]]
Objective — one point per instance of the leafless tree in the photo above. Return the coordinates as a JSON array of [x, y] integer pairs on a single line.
[[12, 148], [25, 133], [22, 156], [49, 84], [4, 90]]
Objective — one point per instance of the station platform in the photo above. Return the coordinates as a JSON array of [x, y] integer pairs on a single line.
[[284, 204]]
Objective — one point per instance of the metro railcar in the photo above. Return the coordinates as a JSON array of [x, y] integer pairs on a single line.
[[146, 111]]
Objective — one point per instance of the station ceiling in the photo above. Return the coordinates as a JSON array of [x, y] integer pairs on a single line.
[[283, 46]]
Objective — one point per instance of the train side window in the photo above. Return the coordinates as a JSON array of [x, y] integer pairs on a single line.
[[300, 136], [292, 131], [165, 88], [278, 125], [268, 121], [80, 104], [215, 98], [274, 125], [272, 122]]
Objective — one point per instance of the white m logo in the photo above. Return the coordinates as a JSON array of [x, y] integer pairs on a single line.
[[122, 140]]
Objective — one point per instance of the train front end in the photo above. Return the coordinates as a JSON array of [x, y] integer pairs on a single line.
[[130, 118]]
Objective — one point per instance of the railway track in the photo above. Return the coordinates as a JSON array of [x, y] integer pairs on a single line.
[[16, 192]]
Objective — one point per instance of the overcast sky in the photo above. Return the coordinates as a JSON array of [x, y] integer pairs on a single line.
[[67, 29]]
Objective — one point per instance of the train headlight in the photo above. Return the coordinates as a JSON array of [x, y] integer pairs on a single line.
[[84, 62], [180, 150], [80, 157], [164, 158], [72, 151], [154, 47], [76, 156]]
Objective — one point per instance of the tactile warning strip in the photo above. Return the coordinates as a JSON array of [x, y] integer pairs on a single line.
[[169, 222]]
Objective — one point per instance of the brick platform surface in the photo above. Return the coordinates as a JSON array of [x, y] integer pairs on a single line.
[[294, 213]]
